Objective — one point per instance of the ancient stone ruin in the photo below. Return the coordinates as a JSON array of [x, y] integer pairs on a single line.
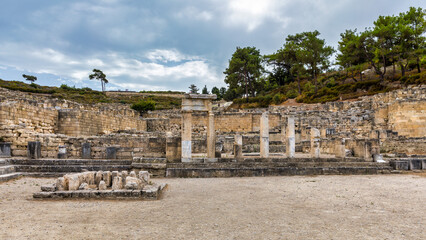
[[44, 136], [101, 184]]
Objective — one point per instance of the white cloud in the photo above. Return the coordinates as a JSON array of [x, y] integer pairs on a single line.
[[164, 55], [122, 71], [192, 13], [253, 13]]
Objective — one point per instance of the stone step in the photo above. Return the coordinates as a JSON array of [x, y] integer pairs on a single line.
[[70, 168], [2, 162], [275, 171], [274, 164], [10, 176], [7, 169], [69, 162]]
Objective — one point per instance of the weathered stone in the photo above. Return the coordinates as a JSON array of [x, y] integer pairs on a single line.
[[73, 181], [98, 177], [144, 176], [111, 152], [117, 183], [89, 177], [132, 174], [48, 187], [264, 135], [60, 184], [86, 152], [102, 185], [133, 183], [5, 149], [83, 186], [34, 150], [124, 175], [62, 152], [107, 178]]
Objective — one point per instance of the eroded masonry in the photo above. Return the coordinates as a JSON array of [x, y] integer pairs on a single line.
[[374, 134]]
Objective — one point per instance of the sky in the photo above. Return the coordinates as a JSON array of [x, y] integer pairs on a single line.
[[162, 45]]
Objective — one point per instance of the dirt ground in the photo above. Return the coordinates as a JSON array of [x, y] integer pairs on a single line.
[[322, 207]]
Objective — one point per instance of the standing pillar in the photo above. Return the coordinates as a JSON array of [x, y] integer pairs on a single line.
[[238, 147], [339, 148], [186, 136], [264, 135], [315, 143], [211, 136], [291, 142]]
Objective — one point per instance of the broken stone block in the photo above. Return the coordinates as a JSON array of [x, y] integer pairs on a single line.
[[48, 188], [89, 178], [73, 181], [114, 174], [83, 186], [60, 184], [117, 183], [102, 185], [133, 183], [124, 174], [106, 176], [98, 177], [132, 174], [144, 176]]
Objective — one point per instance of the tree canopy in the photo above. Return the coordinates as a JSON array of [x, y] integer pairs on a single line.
[[100, 76], [30, 78]]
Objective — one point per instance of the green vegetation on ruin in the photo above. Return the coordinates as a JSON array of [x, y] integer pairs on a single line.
[[89, 96]]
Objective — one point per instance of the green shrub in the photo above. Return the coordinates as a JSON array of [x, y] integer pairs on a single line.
[[292, 93], [144, 106]]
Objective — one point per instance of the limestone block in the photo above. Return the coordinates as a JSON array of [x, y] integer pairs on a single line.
[[98, 177], [133, 183], [117, 183], [83, 186], [60, 184], [144, 176], [132, 174], [124, 174], [48, 187], [106, 176], [114, 174], [73, 182], [89, 177], [102, 185]]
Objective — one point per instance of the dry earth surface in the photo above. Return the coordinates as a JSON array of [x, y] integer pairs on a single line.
[[322, 207]]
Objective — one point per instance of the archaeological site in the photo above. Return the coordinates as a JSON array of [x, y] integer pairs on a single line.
[[380, 134]]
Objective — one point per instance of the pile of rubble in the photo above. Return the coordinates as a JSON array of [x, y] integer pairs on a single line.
[[103, 184]]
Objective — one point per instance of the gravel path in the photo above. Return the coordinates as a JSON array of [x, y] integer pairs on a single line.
[[321, 207]]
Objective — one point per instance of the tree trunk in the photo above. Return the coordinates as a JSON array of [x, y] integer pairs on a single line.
[[298, 84], [393, 72], [402, 69], [418, 65]]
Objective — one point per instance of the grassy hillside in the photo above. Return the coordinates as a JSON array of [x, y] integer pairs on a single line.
[[334, 86], [163, 100]]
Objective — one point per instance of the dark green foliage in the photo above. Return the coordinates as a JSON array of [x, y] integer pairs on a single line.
[[193, 89], [30, 78], [100, 76], [205, 91], [143, 106]]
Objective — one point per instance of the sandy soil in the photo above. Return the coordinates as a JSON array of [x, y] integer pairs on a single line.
[[322, 207]]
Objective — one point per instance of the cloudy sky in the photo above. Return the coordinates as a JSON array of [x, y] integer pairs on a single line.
[[158, 44]]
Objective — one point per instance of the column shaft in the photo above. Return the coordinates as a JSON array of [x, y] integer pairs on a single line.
[[186, 136], [264, 135]]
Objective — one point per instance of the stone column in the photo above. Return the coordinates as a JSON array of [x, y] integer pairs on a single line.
[[5, 149], [264, 135], [315, 143], [186, 136], [173, 148], [368, 155], [211, 136], [238, 147], [291, 142], [339, 148]]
